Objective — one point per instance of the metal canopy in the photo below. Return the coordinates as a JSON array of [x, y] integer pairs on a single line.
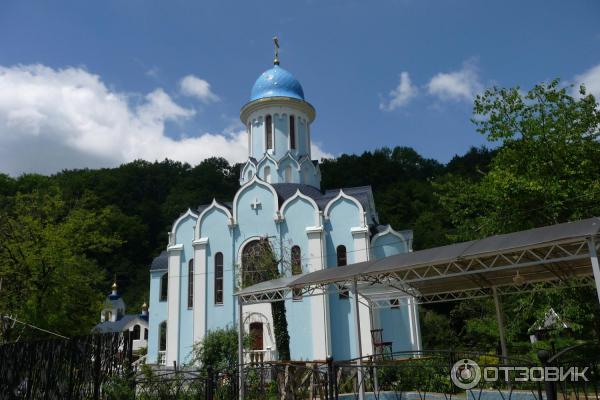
[[556, 255]]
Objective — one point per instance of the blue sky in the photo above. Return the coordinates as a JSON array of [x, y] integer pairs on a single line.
[[100, 83]]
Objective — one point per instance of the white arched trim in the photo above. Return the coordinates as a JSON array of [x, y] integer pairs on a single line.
[[214, 205], [249, 166], [255, 180], [342, 195], [289, 156], [300, 195], [266, 157], [390, 231], [188, 213]]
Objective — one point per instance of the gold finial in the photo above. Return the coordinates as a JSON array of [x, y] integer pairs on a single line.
[[276, 43], [114, 285], [144, 306]]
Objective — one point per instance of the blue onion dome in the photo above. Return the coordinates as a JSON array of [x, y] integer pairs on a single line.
[[276, 82]]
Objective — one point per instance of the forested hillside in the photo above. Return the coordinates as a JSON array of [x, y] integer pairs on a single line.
[[63, 237]]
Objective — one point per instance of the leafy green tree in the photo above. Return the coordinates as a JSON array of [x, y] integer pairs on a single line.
[[47, 268], [546, 170], [219, 349]]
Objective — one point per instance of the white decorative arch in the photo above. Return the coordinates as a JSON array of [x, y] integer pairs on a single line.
[[289, 156], [266, 157], [300, 195], [342, 195], [188, 213], [390, 231], [255, 180], [214, 205]]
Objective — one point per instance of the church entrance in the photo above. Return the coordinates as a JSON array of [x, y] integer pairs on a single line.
[[256, 336]]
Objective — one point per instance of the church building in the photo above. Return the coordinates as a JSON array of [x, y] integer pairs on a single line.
[[280, 202]]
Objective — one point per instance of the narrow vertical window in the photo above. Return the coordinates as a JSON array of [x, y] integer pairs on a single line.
[[136, 332], [288, 174], [162, 336], [342, 261], [269, 132], [267, 174], [191, 283], [292, 133], [164, 287], [219, 278], [145, 333], [296, 258]]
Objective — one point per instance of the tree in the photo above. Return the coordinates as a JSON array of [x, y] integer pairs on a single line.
[[546, 170], [219, 349], [47, 251]]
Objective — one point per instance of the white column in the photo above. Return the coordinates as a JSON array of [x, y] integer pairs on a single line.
[[173, 302], [240, 349], [361, 253], [500, 319], [595, 264], [200, 269], [318, 304], [415, 328], [359, 350]]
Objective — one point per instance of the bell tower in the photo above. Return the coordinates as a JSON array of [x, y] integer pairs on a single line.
[[277, 120]]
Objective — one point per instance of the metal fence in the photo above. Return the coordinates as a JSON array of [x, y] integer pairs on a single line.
[[73, 368]]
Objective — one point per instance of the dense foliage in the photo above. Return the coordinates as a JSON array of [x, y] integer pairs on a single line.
[[544, 169]]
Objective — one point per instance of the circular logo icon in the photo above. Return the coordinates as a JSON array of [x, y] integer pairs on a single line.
[[465, 374]]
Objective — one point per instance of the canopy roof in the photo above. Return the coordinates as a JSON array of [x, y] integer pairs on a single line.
[[556, 255]]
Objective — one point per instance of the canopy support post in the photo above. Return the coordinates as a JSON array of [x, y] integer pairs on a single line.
[[500, 319], [595, 264], [359, 374], [240, 349]]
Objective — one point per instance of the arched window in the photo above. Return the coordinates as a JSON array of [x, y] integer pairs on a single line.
[[162, 336], [342, 260], [249, 175], [258, 263], [191, 283], [145, 333], [292, 132], [288, 174], [296, 255], [219, 278], [267, 172], [269, 132], [136, 332], [164, 287]]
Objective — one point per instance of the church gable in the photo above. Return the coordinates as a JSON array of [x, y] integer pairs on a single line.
[[215, 216], [255, 203], [183, 227]]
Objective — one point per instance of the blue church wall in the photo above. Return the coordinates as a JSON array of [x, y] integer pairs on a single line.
[[281, 134], [395, 323], [285, 163], [387, 245], [301, 136], [157, 313], [343, 215], [299, 214], [258, 139], [253, 222], [214, 226], [184, 234], [268, 163]]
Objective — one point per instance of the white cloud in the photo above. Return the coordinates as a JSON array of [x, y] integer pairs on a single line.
[[401, 95], [461, 85], [317, 153], [199, 88], [53, 119], [591, 80]]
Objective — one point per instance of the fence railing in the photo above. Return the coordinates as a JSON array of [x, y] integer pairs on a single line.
[[72, 368]]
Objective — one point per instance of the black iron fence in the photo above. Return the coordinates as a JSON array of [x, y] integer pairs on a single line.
[[75, 368], [100, 367]]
